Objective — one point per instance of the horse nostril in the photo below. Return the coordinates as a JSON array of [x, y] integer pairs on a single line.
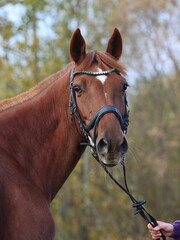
[[102, 146], [124, 146]]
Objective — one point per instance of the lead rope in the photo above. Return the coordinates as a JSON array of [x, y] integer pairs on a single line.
[[138, 205]]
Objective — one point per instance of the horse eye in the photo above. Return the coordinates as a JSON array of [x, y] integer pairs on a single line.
[[124, 87], [77, 89]]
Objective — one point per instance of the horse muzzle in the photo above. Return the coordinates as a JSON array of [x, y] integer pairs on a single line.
[[111, 152], [110, 146]]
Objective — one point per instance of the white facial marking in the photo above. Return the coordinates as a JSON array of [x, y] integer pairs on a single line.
[[101, 78]]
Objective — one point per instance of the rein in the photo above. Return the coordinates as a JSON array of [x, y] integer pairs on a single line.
[[138, 205], [124, 122]]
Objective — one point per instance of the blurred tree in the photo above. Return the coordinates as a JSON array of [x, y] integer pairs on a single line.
[[22, 47], [157, 105]]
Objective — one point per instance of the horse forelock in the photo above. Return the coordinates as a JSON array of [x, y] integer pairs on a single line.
[[101, 58], [34, 91]]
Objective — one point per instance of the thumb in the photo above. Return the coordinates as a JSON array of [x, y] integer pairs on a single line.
[[157, 228]]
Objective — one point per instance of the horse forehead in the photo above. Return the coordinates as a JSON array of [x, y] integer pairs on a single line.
[[101, 78]]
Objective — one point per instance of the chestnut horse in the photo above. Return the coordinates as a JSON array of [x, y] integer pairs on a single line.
[[40, 139]]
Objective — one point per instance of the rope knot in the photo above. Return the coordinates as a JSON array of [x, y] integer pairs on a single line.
[[139, 205]]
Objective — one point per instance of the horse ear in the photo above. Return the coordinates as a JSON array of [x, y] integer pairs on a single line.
[[77, 47], [114, 46]]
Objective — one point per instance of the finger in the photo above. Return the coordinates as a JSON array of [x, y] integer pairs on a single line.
[[154, 231], [156, 236], [150, 227]]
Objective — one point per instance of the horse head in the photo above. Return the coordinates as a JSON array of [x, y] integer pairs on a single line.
[[98, 97]]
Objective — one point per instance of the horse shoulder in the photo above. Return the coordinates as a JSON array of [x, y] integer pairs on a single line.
[[24, 210]]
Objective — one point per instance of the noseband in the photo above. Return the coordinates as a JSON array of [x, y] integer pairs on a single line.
[[85, 129]]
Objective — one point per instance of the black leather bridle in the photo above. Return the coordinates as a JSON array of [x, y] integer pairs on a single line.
[[91, 141], [85, 129]]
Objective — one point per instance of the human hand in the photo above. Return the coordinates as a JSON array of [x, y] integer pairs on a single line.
[[166, 228]]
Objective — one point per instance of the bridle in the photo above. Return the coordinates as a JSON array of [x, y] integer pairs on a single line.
[[85, 129], [91, 141]]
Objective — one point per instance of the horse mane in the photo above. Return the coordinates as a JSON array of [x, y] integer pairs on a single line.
[[42, 85]]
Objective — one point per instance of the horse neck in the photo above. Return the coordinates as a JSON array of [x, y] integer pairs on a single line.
[[45, 143]]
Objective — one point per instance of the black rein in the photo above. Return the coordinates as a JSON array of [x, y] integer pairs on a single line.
[[124, 121]]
